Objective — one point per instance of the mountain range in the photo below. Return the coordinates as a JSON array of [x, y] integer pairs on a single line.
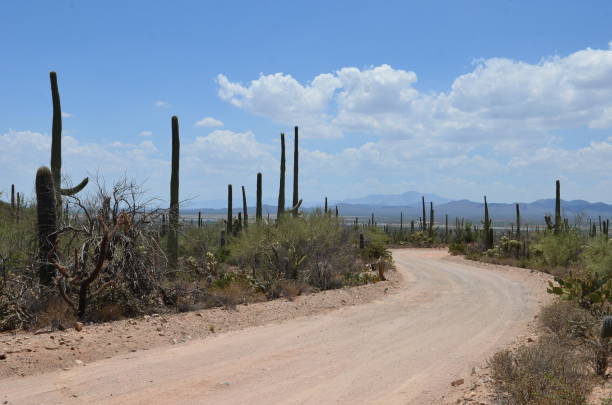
[[387, 208]]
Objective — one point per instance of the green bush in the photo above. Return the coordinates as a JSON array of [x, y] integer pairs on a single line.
[[376, 241], [314, 249], [558, 251]]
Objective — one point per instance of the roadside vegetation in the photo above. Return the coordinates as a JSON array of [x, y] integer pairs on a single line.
[[94, 253], [572, 353]]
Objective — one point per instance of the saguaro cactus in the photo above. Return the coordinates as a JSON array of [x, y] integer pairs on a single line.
[[605, 334], [244, 209], [230, 209], [558, 207], [13, 197], [173, 214], [445, 228], [487, 229], [424, 218], [518, 222], [258, 207], [281, 189], [56, 149], [431, 218], [47, 224], [325, 209], [296, 196]]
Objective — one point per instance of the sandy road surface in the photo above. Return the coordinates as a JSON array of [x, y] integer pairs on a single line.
[[402, 349]]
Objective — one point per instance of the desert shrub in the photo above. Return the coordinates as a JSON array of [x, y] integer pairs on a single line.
[[197, 241], [314, 249], [566, 320], [558, 251], [547, 372], [598, 256], [457, 248], [376, 241]]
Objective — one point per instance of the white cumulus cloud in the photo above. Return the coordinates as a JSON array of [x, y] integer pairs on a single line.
[[209, 122]]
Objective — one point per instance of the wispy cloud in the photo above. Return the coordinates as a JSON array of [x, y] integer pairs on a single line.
[[209, 122], [66, 114], [145, 133], [162, 104]]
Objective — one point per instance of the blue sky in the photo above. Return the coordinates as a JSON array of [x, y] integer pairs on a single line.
[[459, 98]]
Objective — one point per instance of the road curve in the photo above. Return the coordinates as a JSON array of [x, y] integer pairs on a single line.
[[402, 349]]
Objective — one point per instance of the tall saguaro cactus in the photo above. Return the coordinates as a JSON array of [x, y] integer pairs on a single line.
[[424, 219], [56, 149], [230, 209], [558, 207], [173, 214], [431, 218], [244, 209], [56, 135], [281, 189], [487, 229], [47, 224], [258, 207], [518, 222], [296, 195]]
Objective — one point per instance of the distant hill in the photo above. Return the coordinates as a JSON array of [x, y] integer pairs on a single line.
[[501, 213], [395, 200], [387, 208]]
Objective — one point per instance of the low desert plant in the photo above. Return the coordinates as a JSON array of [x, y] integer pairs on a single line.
[[544, 373]]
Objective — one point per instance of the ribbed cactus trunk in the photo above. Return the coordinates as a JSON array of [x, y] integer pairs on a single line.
[[296, 195], [431, 218], [361, 241], [445, 228], [487, 230], [173, 214], [56, 149], [325, 209], [518, 222], [13, 197], [244, 209], [199, 219], [424, 217], [56, 142], [230, 209], [47, 224], [258, 207], [281, 189], [558, 207]]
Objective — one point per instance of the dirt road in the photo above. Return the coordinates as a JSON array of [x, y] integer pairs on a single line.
[[405, 348]]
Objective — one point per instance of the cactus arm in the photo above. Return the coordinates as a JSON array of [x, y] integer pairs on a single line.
[[75, 189], [295, 208]]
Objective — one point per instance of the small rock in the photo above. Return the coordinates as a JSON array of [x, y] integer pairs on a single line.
[[199, 314], [529, 340], [2, 356], [78, 326], [79, 362], [457, 382]]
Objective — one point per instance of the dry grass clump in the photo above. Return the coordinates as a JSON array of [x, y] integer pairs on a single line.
[[547, 372]]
